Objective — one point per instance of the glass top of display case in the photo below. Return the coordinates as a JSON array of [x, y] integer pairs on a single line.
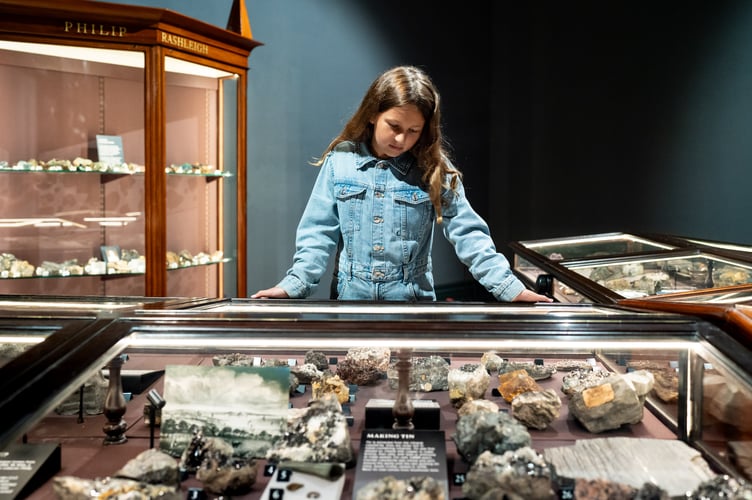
[[662, 274], [616, 338], [593, 246]]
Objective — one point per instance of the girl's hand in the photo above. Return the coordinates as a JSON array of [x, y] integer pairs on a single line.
[[271, 293], [531, 296]]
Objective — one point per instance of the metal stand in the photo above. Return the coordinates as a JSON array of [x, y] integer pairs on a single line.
[[403, 409], [114, 404]]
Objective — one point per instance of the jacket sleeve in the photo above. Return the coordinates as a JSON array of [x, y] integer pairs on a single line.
[[316, 238], [470, 236]]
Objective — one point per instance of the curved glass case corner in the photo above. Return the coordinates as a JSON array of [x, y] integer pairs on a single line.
[[663, 274], [592, 246]]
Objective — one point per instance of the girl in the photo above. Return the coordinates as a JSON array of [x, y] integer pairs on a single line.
[[384, 181]]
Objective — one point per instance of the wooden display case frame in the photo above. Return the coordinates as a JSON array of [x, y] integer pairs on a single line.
[[159, 34]]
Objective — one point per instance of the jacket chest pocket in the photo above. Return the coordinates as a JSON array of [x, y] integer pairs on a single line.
[[350, 199], [415, 213]]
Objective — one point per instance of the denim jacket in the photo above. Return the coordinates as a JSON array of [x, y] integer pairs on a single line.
[[377, 215]]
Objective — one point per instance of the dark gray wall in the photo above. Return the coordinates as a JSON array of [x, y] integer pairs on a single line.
[[567, 117]]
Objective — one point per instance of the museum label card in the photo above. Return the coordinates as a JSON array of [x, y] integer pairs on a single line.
[[110, 149], [401, 454], [25, 467]]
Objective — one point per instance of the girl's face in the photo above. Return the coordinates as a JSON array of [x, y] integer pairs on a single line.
[[396, 130]]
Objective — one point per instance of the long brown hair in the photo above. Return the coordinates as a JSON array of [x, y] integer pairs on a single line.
[[400, 86]]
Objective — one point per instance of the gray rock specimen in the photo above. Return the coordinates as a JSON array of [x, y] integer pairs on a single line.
[[538, 372], [75, 488], [317, 359], [306, 373], [722, 487], [233, 359], [607, 406], [212, 460], [317, 433], [485, 431], [391, 488], [95, 392], [477, 405], [577, 380], [466, 383], [672, 465], [567, 365], [522, 474], [602, 488], [536, 409], [151, 466], [427, 374], [492, 361]]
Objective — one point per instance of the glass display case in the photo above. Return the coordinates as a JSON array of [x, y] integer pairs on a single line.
[[611, 267], [706, 371], [124, 165]]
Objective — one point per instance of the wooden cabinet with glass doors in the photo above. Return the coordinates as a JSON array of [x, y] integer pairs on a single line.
[[122, 151]]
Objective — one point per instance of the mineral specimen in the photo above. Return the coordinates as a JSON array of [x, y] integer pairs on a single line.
[[427, 374], [74, 488], [151, 466], [484, 431], [469, 382], [521, 474], [607, 406], [536, 409], [329, 384], [317, 433], [513, 383], [391, 488]]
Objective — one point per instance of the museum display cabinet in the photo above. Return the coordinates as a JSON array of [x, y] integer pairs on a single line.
[[123, 166], [607, 268], [707, 370]]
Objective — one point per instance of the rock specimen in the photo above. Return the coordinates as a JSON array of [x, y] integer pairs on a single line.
[[356, 373], [721, 487], [607, 406], [672, 465], [602, 488], [538, 372], [466, 383], [151, 466], [514, 383], [317, 359], [567, 365], [536, 409], [317, 433], [376, 357], [521, 474], [74, 488], [329, 384], [485, 431], [492, 361], [725, 401], [426, 374], [477, 405], [95, 392], [306, 373], [212, 460], [577, 380], [391, 488]]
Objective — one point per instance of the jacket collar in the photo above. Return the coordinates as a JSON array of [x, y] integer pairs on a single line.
[[365, 159]]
